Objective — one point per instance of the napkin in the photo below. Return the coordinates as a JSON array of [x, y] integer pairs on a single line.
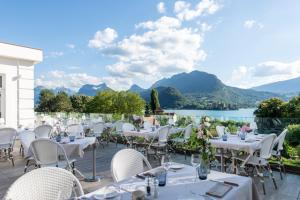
[[219, 190]]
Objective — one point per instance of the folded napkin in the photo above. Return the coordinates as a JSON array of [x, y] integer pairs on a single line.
[[219, 190]]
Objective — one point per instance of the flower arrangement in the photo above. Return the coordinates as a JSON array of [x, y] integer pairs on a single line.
[[199, 142]]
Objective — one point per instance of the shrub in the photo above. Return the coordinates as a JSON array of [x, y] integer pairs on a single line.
[[293, 135]]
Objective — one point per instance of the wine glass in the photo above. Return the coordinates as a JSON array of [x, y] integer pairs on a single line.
[[166, 164], [195, 161]]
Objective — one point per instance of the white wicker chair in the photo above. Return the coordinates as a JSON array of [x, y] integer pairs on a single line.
[[43, 131], [117, 131], [147, 125], [187, 132], [47, 153], [276, 152], [127, 163], [47, 183], [161, 146], [98, 128], [75, 130], [260, 162], [220, 130], [7, 141], [128, 127]]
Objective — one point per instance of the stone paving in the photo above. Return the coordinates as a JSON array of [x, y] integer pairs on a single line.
[[288, 188]]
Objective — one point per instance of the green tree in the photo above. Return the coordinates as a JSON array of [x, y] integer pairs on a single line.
[[116, 103], [292, 108], [46, 100], [147, 110], [273, 108], [62, 103], [79, 102], [154, 102], [135, 104]]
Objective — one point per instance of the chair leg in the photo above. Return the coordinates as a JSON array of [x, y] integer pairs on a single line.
[[272, 176], [73, 168], [10, 156], [26, 166]]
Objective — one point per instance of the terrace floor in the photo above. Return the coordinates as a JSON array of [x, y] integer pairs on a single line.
[[288, 188]]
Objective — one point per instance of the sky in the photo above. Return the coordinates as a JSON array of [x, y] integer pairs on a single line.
[[244, 43]]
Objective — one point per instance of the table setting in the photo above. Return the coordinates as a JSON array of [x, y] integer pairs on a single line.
[[178, 181]]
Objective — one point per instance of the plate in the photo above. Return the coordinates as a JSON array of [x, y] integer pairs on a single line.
[[176, 166], [106, 193]]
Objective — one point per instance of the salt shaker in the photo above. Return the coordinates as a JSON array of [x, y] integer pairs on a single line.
[[155, 189]]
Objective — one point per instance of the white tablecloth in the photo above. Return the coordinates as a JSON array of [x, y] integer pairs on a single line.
[[182, 185], [72, 149], [250, 145], [148, 133]]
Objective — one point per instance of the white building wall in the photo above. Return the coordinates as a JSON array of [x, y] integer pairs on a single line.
[[8, 69], [17, 69]]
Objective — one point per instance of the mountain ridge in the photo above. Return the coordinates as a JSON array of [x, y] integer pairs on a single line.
[[282, 87], [194, 90]]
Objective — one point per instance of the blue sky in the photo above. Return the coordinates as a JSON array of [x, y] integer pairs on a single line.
[[245, 43]]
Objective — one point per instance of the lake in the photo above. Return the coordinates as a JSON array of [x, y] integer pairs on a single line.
[[245, 114]]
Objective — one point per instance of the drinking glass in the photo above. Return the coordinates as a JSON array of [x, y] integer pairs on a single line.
[[202, 171]]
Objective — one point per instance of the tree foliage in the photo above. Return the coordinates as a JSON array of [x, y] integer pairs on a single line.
[[116, 103], [273, 108], [62, 103], [79, 102], [154, 102], [46, 101], [276, 108]]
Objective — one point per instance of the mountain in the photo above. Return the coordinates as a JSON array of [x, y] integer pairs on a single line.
[[136, 88], [168, 97], [92, 90], [206, 91], [282, 87], [194, 90], [193, 82]]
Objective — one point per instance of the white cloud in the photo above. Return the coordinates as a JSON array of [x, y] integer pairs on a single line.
[[103, 38], [54, 54], [71, 46], [205, 27], [57, 74], [161, 7], [69, 80], [249, 24], [263, 73], [162, 50], [162, 23], [74, 81], [184, 10]]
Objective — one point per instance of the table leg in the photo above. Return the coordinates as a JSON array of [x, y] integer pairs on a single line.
[[222, 160], [94, 178]]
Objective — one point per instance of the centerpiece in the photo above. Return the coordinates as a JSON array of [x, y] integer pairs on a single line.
[[200, 144]]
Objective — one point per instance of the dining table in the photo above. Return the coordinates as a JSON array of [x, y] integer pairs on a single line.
[[72, 148], [234, 144], [182, 184], [148, 134]]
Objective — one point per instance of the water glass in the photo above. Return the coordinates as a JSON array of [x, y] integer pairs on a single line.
[[162, 178], [72, 138], [58, 138], [243, 135], [224, 137], [202, 171]]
